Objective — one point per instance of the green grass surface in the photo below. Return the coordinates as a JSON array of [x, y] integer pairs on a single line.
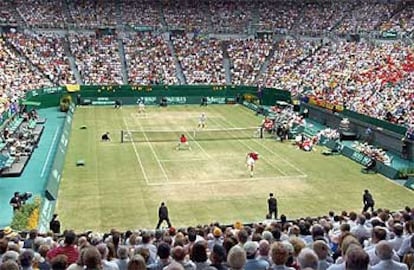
[[122, 184]]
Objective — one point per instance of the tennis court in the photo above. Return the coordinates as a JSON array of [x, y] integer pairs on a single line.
[[124, 180]]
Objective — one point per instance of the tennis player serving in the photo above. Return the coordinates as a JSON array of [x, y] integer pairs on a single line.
[[251, 160]]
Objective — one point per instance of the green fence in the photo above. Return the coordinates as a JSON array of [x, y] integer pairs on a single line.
[[129, 94], [53, 181], [376, 122], [48, 97]]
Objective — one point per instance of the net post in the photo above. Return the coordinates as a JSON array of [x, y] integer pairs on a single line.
[[122, 136]]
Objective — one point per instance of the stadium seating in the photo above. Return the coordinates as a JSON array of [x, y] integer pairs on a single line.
[[6, 161]]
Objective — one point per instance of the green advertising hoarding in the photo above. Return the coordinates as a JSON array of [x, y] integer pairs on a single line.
[[55, 174]]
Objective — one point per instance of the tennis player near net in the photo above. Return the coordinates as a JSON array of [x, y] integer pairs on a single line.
[[183, 143], [202, 120], [141, 106], [251, 160]]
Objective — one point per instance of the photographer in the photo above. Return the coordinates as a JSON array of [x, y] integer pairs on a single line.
[[19, 199], [16, 202]]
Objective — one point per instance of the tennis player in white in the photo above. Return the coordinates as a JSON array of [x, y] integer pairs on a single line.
[[202, 120], [141, 106]]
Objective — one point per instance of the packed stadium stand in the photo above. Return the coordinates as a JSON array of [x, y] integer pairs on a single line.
[[356, 54]]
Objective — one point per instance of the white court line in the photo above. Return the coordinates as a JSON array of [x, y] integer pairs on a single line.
[[248, 146], [207, 181], [153, 152], [137, 155], [250, 179], [271, 151], [183, 160], [49, 153], [139, 115], [221, 158]]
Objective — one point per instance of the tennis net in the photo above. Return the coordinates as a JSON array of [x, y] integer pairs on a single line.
[[197, 134]]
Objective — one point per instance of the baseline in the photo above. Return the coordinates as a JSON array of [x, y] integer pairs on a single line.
[[216, 181], [234, 180]]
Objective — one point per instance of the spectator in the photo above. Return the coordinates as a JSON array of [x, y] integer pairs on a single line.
[[92, 258], [406, 244], [164, 258], [26, 259], [264, 248], [68, 248], [236, 258], [361, 231], [280, 255], [60, 262], [9, 265], [307, 258], [198, 255], [385, 253], [396, 242], [123, 258], [178, 255], [252, 262], [357, 259], [137, 263], [322, 250], [218, 257]]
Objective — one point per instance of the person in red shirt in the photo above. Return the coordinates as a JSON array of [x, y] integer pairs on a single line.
[[183, 143], [68, 248], [251, 160]]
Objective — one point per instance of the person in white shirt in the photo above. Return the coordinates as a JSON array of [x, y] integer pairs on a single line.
[[385, 253]]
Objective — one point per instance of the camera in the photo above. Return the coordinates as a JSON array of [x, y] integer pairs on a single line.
[[25, 196]]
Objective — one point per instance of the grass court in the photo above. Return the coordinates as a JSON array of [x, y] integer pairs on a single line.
[[122, 184]]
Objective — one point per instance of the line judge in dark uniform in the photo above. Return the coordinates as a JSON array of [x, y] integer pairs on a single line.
[[163, 215], [368, 201], [272, 205]]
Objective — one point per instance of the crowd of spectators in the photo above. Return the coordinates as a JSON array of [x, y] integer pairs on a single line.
[[366, 16], [247, 57], [140, 13], [91, 14], [319, 17], [372, 79], [8, 13], [279, 15], [280, 70], [46, 51], [42, 13], [98, 59], [188, 15], [201, 59], [330, 133], [402, 22], [373, 152], [231, 16], [149, 60], [17, 75], [217, 16], [334, 241]]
